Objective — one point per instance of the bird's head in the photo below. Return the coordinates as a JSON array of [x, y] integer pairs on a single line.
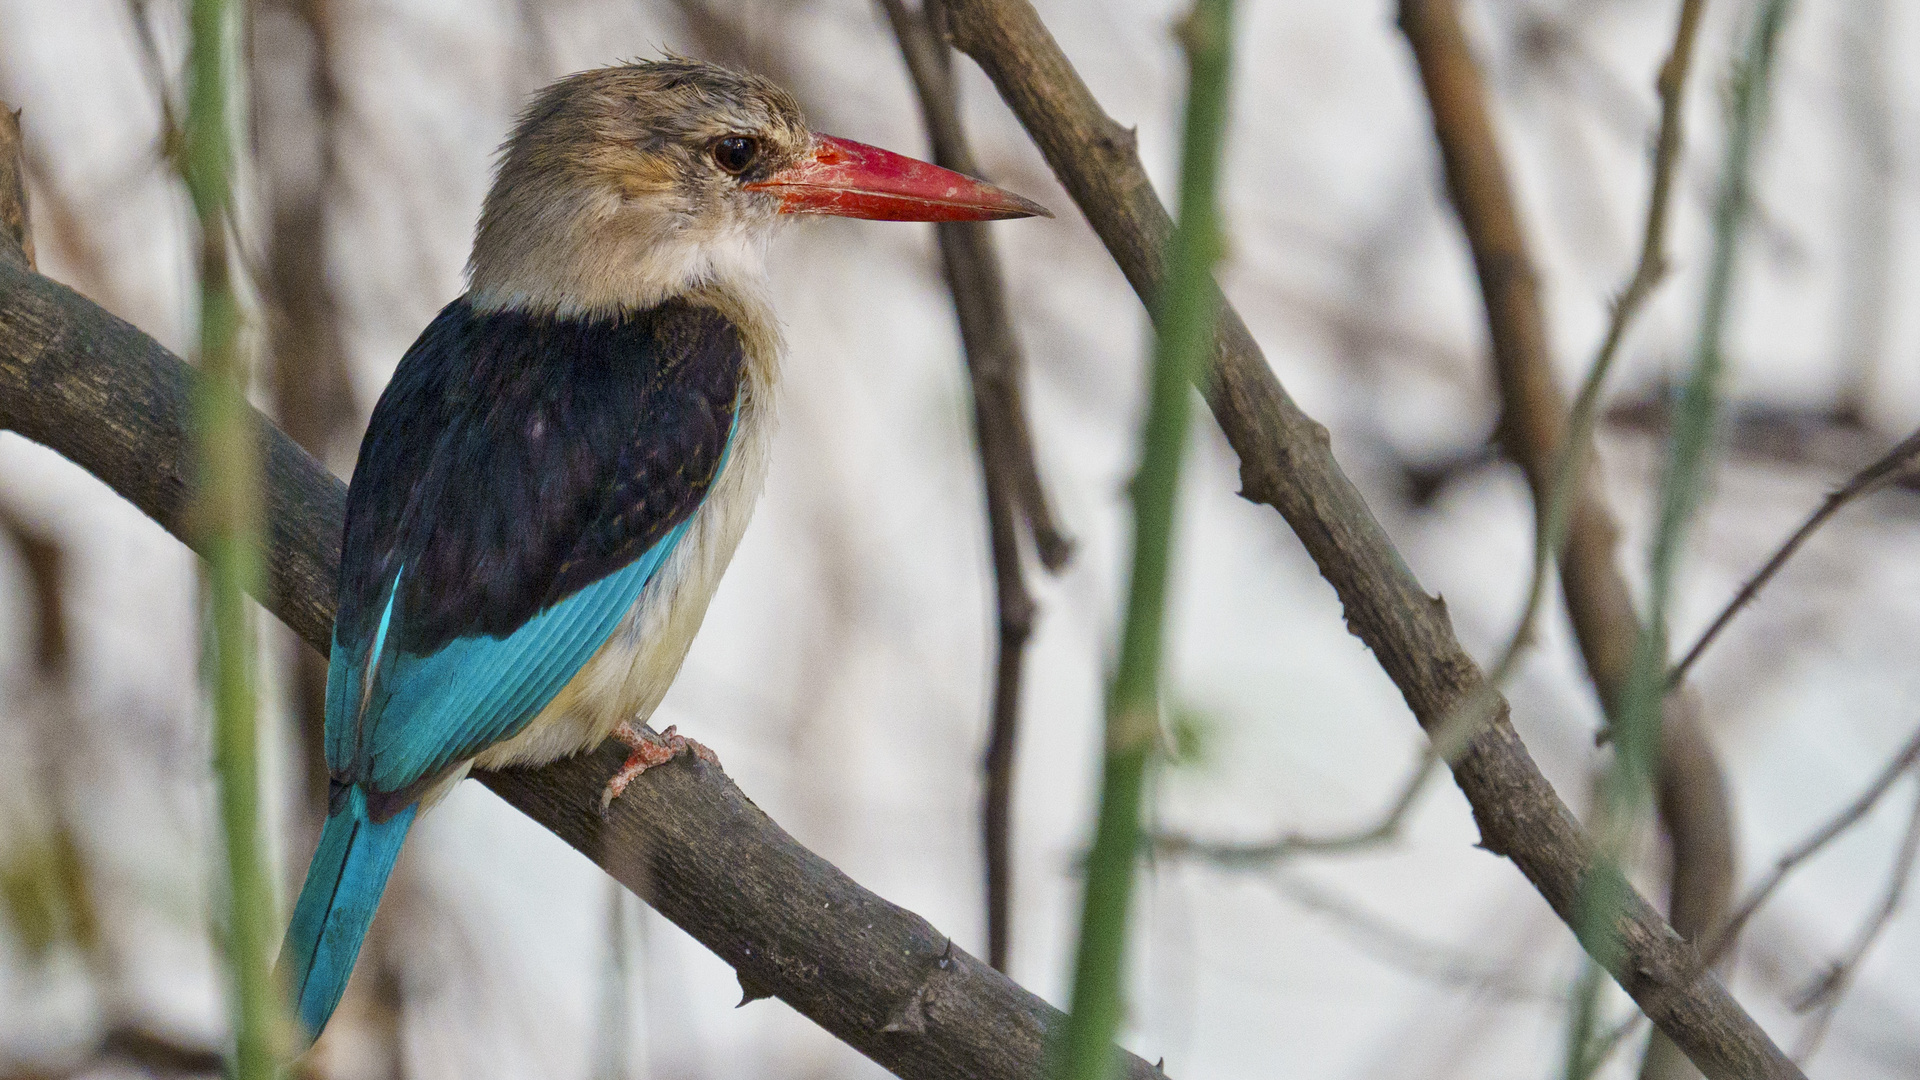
[[622, 186]]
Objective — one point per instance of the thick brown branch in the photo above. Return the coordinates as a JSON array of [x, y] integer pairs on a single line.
[[877, 976], [1286, 462], [1534, 428]]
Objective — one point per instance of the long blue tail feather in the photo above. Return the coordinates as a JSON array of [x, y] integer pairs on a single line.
[[344, 883]]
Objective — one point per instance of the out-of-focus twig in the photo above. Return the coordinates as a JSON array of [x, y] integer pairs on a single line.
[[1867, 265], [612, 1052], [732, 35], [1564, 495], [1849, 816], [311, 392], [299, 118], [1889, 468], [1408, 952], [148, 1053], [168, 146], [1286, 462], [1823, 997], [1008, 468]]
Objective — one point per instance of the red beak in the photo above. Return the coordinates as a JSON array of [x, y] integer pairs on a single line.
[[850, 179]]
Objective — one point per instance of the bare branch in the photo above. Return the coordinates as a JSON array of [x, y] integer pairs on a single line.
[[1729, 933], [1846, 819], [994, 358], [1889, 468], [1286, 462]]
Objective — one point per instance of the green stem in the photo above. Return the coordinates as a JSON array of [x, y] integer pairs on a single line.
[[1185, 318], [228, 511]]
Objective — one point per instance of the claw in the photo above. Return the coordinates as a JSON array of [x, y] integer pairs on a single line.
[[649, 750]]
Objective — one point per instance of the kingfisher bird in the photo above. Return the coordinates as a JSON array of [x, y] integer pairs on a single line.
[[558, 473]]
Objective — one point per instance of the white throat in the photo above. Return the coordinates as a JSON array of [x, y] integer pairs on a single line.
[[603, 255]]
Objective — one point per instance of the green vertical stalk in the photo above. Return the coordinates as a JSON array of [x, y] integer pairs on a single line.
[[1627, 789], [1187, 307], [228, 514]]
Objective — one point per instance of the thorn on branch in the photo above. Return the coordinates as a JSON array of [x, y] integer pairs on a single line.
[[751, 989], [1119, 140], [911, 1017]]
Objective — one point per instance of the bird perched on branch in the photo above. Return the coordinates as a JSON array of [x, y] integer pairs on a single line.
[[555, 479]]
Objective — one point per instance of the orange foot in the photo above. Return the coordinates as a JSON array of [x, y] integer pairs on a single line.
[[649, 750]]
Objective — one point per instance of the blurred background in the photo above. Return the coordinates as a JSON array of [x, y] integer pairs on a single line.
[[845, 669]]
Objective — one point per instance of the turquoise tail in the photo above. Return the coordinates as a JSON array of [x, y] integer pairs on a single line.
[[344, 882]]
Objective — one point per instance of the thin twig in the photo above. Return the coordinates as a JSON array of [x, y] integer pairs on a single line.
[[1009, 472], [1451, 739], [16, 220], [1692, 798], [311, 390], [154, 69], [1848, 817], [1823, 997], [1407, 951], [1878, 475], [1574, 528]]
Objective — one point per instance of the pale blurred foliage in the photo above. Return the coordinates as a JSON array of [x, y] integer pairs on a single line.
[[843, 671]]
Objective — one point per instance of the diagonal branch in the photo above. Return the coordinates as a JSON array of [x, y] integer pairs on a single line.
[[1889, 468], [878, 977], [1286, 462], [1010, 472]]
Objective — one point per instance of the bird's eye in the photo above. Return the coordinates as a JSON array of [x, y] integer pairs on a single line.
[[735, 152]]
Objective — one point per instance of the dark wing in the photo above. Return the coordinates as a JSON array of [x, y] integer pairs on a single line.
[[520, 481]]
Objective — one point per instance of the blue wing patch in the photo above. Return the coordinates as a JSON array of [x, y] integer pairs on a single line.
[[425, 713]]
